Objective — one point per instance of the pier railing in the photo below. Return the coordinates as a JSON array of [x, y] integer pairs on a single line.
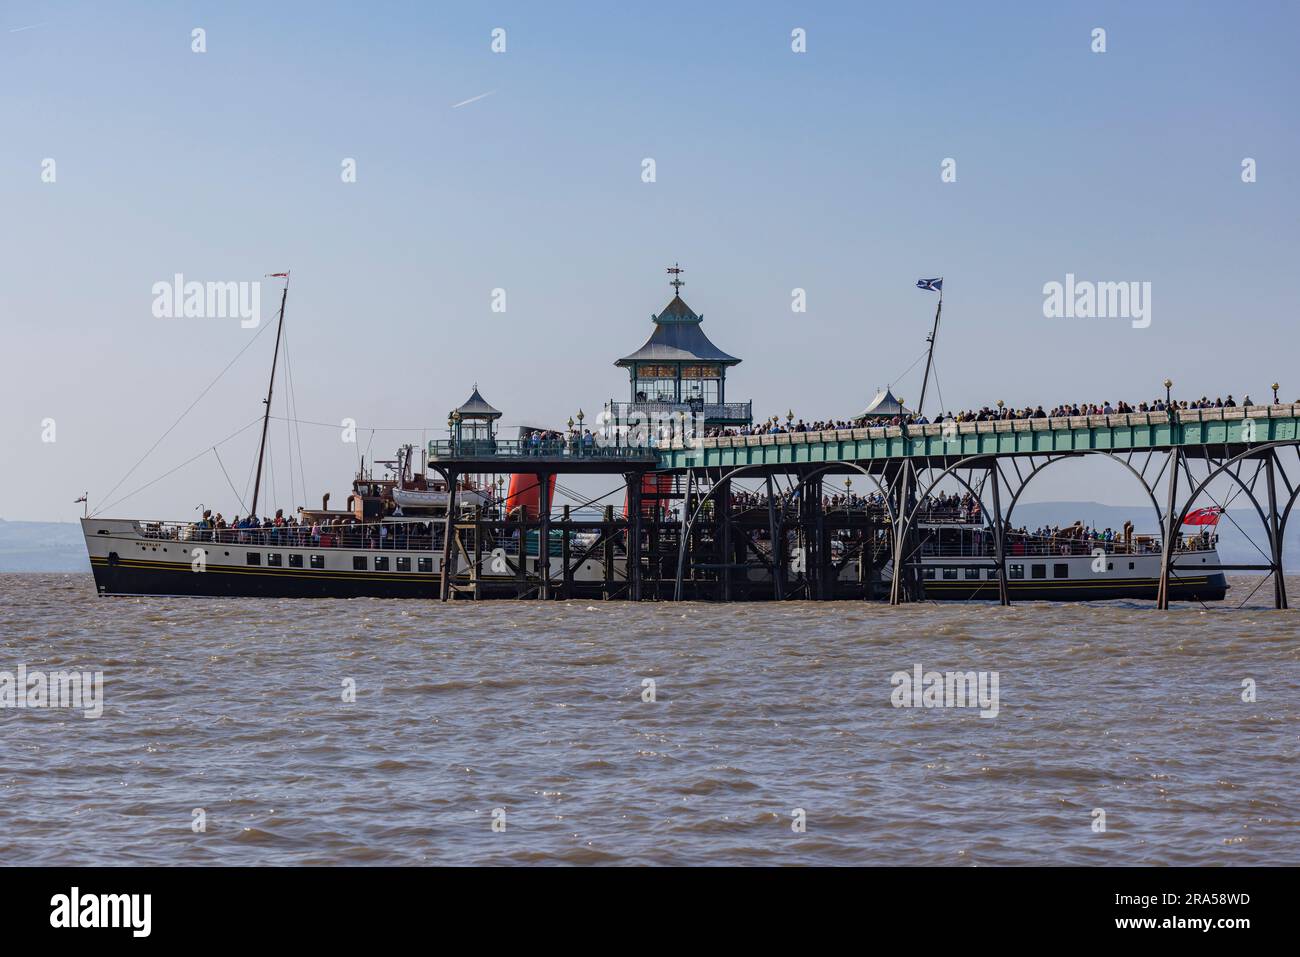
[[573, 447], [1184, 427], [652, 410]]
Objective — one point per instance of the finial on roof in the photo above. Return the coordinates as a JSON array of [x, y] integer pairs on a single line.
[[676, 282]]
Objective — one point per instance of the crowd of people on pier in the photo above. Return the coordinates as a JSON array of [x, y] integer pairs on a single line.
[[775, 426], [942, 507]]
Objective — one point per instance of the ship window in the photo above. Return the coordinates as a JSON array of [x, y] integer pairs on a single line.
[[949, 574], [318, 561], [1061, 570], [927, 573], [972, 573], [254, 558], [424, 564], [1016, 571], [1130, 566], [295, 561], [403, 563], [1037, 571], [381, 563], [359, 563], [273, 559], [993, 572]]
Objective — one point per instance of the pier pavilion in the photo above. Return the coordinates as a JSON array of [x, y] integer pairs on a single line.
[[679, 371]]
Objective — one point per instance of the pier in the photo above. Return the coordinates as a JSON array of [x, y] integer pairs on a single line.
[[683, 533], [714, 549]]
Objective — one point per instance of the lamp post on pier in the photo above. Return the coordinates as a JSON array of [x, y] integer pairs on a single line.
[[1169, 384]]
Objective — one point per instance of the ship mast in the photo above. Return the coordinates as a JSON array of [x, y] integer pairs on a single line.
[[929, 359], [266, 418]]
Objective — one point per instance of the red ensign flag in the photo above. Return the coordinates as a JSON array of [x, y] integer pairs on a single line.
[[1203, 516]]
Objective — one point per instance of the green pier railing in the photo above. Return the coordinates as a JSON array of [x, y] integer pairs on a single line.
[[1047, 436]]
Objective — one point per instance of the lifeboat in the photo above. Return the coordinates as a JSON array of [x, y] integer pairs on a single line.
[[431, 498]]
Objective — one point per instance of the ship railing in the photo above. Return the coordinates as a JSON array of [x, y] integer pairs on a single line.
[[407, 536], [357, 536], [1018, 547]]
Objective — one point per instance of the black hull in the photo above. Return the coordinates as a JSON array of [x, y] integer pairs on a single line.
[[1198, 588], [166, 578]]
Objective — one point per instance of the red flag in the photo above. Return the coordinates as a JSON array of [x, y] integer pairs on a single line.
[[1203, 516]]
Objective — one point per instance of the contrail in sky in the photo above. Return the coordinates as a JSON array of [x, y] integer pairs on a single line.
[[31, 27], [456, 106]]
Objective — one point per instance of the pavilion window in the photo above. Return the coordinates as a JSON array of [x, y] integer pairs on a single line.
[[655, 383]]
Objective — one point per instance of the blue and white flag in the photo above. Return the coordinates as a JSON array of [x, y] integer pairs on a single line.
[[935, 285]]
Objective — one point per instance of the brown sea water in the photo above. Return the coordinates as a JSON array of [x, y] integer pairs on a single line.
[[236, 707]]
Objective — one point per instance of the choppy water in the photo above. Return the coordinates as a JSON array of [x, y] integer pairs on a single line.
[[236, 707]]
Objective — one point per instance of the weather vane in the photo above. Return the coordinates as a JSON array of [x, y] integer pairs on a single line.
[[675, 271]]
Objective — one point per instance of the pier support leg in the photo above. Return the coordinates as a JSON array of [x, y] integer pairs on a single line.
[[1275, 535], [608, 557], [999, 538], [521, 559], [566, 581], [634, 536], [448, 529], [778, 552], [868, 559], [897, 593], [821, 543], [1171, 531], [478, 552], [684, 541], [544, 534], [722, 508]]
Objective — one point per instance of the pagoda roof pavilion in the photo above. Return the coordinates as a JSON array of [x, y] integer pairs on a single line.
[[677, 337]]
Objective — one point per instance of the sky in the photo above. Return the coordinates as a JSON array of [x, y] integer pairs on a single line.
[[522, 171]]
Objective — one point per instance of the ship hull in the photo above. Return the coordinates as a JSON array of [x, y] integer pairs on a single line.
[[1197, 588], [128, 559], [137, 577]]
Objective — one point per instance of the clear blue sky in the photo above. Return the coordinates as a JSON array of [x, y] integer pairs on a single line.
[[774, 170]]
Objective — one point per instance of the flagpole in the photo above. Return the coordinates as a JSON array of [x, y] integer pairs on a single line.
[[929, 359]]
